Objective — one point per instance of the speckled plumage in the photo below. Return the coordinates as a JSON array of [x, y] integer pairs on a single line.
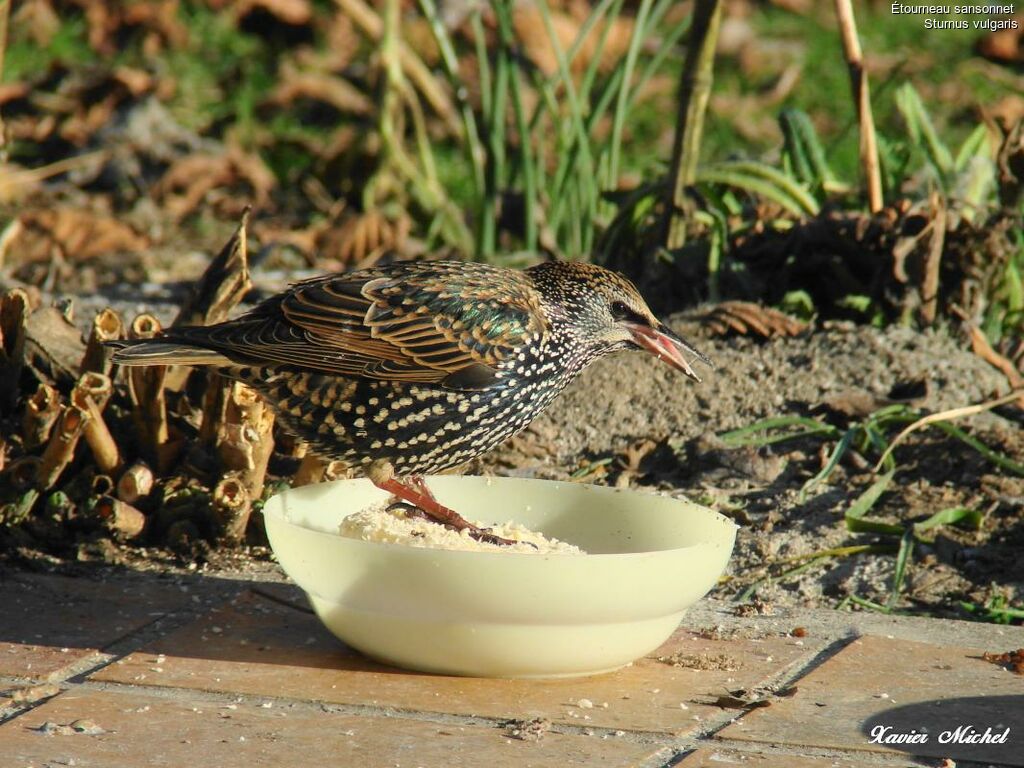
[[424, 365]]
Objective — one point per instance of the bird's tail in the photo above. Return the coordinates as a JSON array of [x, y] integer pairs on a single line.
[[164, 352]]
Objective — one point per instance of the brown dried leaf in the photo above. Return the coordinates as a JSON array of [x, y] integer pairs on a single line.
[[77, 235], [1011, 660], [158, 17], [529, 27], [38, 20], [187, 182], [363, 237], [1005, 45], [747, 318], [318, 86], [295, 12]]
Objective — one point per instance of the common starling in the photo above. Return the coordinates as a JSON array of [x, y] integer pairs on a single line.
[[416, 367]]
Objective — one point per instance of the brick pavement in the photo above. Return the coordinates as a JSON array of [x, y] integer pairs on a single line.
[[138, 670]]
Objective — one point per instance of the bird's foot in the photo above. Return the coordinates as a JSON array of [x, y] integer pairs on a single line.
[[418, 501]]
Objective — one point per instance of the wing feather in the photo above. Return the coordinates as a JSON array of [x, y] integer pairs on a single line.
[[417, 322]]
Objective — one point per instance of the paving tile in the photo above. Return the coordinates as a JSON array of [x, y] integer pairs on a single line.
[[51, 622], [147, 730], [256, 646], [707, 757], [904, 686]]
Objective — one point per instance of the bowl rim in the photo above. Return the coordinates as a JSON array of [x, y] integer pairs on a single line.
[[276, 511]]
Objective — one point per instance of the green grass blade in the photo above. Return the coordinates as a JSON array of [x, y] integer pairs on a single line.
[[833, 461], [764, 181], [525, 166], [975, 145], [997, 458], [622, 99], [863, 503], [922, 130], [962, 516], [899, 574], [472, 143], [749, 435]]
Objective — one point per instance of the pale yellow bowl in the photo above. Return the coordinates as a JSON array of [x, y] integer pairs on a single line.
[[502, 614]]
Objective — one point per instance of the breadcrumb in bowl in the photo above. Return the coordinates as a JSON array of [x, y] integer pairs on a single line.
[[498, 612], [381, 524]]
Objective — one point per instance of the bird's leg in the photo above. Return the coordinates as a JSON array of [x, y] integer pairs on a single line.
[[414, 491]]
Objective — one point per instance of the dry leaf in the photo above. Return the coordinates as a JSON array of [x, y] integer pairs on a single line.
[[185, 185], [77, 235], [295, 12], [363, 236], [1005, 45], [749, 319], [158, 17], [330, 89], [38, 19], [529, 27], [1011, 660]]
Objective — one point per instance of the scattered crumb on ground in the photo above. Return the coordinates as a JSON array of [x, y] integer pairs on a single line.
[[528, 730], [718, 662], [1011, 660]]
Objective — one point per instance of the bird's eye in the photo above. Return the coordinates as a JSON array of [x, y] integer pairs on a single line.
[[623, 312], [620, 311]]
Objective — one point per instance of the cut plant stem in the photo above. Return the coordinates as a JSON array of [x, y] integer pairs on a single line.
[[120, 517], [135, 483], [146, 390], [694, 92], [106, 326], [41, 412], [245, 439], [311, 470], [15, 308], [861, 95], [60, 450], [91, 394], [232, 506]]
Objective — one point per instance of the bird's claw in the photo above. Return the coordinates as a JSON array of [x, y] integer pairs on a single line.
[[412, 512]]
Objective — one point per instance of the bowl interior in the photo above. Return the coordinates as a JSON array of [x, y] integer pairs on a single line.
[[598, 519]]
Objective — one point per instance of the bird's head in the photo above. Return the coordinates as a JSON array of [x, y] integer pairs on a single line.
[[608, 313]]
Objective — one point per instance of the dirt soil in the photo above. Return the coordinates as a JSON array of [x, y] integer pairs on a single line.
[[632, 421], [632, 403]]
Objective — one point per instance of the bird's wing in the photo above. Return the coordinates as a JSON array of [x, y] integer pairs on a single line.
[[425, 323]]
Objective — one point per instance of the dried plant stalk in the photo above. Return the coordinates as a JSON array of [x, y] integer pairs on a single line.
[[222, 286], [106, 326], [90, 394], [232, 505], [214, 403], [120, 517], [149, 403], [60, 450], [694, 92], [135, 483], [224, 283], [15, 308], [101, 485], [861, 95], [245, 437], [23, 472], [41, 413]]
